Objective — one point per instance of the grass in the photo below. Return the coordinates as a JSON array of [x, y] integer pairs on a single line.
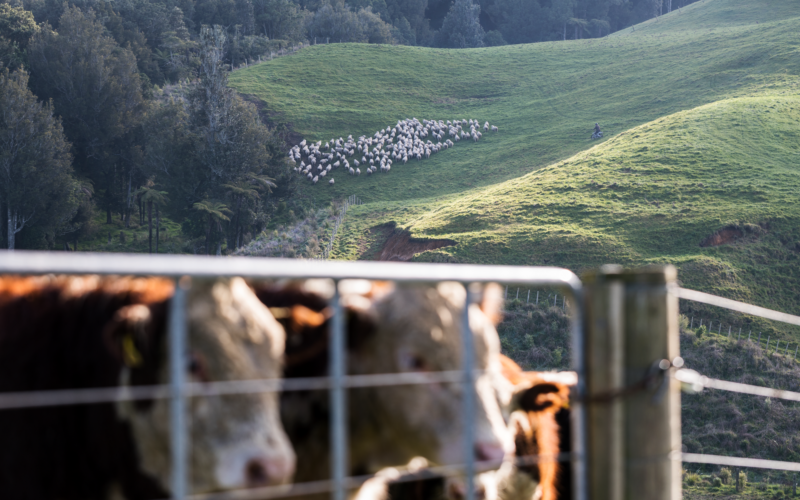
[[544, 97]]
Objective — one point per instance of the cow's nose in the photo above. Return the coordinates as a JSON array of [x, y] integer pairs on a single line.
[[489, 451], [267, 471]]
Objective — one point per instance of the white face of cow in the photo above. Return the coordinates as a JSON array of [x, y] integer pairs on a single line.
[[236, 441], [419, 329]]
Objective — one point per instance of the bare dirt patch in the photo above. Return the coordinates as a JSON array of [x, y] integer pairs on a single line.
[[395, 244], [733, 232], [723, 236]]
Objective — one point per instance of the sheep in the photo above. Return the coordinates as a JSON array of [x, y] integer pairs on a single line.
[[405, 140], [330, 182], [315, 179]]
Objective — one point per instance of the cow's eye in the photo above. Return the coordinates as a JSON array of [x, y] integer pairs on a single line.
[[413, 362], [197, 367]]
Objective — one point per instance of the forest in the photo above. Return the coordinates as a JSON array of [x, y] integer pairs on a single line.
[[122, 109]]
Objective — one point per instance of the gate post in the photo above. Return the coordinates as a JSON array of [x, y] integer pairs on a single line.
[[653, 416], [604, 292], [634, 440]]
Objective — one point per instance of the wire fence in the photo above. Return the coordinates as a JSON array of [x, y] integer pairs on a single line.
[[738, 333], [693, 381], [351, 200], [179, 390]]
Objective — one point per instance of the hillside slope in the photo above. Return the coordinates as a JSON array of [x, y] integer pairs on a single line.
[[544, 97], [712, 190]]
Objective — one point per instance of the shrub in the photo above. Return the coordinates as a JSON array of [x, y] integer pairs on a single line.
[[494, 39], [683, 321], [692, 479], [742, 480], [717, 482], [701, 331], [725, 475]]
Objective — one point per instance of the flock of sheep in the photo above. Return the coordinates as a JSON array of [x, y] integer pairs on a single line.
[[405, 141]]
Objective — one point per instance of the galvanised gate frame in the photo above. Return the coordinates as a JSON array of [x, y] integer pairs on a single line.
[[179, 389]]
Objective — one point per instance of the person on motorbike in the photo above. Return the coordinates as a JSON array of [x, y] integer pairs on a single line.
[[596, 128]]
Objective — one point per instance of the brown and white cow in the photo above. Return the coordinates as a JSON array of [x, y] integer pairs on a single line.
[[90, 331], [390, 329], [536, 406]]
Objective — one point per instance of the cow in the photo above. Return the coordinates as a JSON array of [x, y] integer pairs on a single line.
[[390, 329], [79, 332], [536, 405]]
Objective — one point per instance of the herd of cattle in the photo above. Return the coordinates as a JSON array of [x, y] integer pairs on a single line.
[[405, 141], [61, 332]]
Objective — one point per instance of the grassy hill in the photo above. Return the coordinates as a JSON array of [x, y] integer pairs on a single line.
[[701, 119], [544, 97]]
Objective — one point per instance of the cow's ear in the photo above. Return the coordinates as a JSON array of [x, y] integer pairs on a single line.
[[544, 396], [491, 302], [127, 335]]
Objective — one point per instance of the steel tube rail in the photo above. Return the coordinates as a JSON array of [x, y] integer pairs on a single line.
[[758, 463], [733, 305], [338, 423], [177, 361], [26, 262], [66, 397], [468, 404]]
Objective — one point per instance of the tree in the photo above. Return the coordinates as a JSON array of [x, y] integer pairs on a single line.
[[36, 184], [242, 193], [151, 196], [17, 26], [335, 21], [461, 27], [95, 87], [216, 213], [279, 19]]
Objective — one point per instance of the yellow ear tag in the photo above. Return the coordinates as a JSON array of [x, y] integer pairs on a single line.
[[130, 354]]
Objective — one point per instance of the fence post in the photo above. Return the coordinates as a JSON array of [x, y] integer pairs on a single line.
[[652, 418], [692, 324], [639, 447], [537, 298], [729, 331], [604, 372], [529, 297]]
